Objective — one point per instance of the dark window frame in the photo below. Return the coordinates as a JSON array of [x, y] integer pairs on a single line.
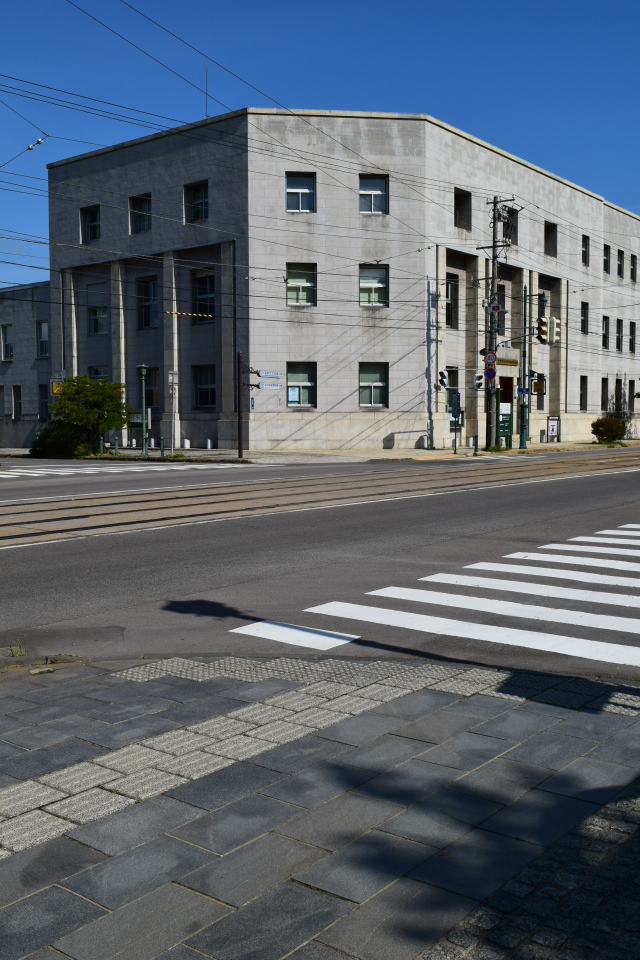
[[196, 210], [42, 343], [550, 239], [619, 334], [452, 301], [307, 389], [291, 190], [606, 330], [604, 393], [462, 209], [90, 223], [140, 215], [43, 401], [376, 300], [16, 401], [633, 268], [302, 291], [606, 258], [147, 305], [367, 198], [586, 250], [632, 336], [584, 393], [381, 385], [203, 296], [584, 317], [620, 265], [205, 394]]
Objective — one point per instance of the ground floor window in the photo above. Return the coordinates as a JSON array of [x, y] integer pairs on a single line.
[[301, 384], [604, 394], [17, 402], [204, 379], [584, 388], [152, 388], [43, 401], [374, 384]]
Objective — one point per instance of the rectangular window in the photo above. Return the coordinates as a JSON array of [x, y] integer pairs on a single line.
[[99, 373], [452, 305], [43, 401], [605, 333], [453, 382], [540, 396], [203, 296], [632, 337], [584, 389], [619, 334], [510, 226], [374, 193], [301, 192], [606, 258], [586, 250], [633, 268], [502, 300], [97, 314], [302, 284], [140, 213], [604, 394], [148, 307], [617, 397], [374, 384], [42, 339], [631, 396], [196, 202], [301, 384], [462, 209], [550, 239], [16, 397], [621, 264], [7, 342], [374, 286], [204, 379], [1, 403], [90, 224], [584, 317], [152, 388]]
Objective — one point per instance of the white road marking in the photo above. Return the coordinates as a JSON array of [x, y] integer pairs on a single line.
[[616, 533], [298, 636], [123, 468], [581, 575], [442, 626], [536, 589], [633, 526], [631, 543], [577, 561], [506, 608], [594, 549]]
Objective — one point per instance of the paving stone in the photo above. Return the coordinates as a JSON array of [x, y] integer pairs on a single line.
[[130, 759], [134, 826], [552, 750], [146, 783], [193, 765], [317, 785], [226, 785], [202, 709], [398, 923], [271, 927], [259, 713], [384, 753], [299, 754], [33, 923], [252, 870], [138, 871], [381, 692], [14, 705], [438, 726], [467, 751], [424, 825], [350, 705], [293, 700], [481, 707], [127, 710], [178, 742], [516, 725], [9, 750], [117, 735], [595, 726], [92, 805], [183, 953], [26, 796], [622, 748], [33, 869], [264, 689], [362, 868], [413, 706], [461, 806], [316, 951], [220, 728], [340, 821], [330, 689], [539, 817], [590, 779], [239, 748], [80, 777], [236, 824], [410, 782], [318, 717], [358, 730], [29, 829], [478, 864], [57, 710], [142, 930], [280, 731], [37, 736], [502, 780]]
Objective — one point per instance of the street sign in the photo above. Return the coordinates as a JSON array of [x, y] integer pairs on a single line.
[[523, 391], [489, 373], [489, 357], [268, 373], [271, 386], [173, 378], [56, 387], [493, 307]]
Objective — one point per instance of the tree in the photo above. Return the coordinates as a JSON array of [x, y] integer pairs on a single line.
[[91, 408], [609, 429]]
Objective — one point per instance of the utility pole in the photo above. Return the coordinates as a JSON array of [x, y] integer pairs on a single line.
[[142, 367], [524, 378], [239, 378]]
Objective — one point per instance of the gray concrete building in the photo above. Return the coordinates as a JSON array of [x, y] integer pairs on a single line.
[[345, 252]]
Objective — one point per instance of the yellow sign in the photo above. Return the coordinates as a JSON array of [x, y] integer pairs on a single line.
[[56, 387], [507, 362]]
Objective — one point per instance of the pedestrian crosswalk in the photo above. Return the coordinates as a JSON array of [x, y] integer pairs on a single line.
[[569, 619], [13, 472]]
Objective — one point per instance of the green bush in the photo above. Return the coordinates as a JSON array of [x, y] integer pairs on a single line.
[[608, 429], [57, 439]]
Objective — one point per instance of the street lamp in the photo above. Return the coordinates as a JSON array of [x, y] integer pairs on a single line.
[[145, 438], [524, 379]]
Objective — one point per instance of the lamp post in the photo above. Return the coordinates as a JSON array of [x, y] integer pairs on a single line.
[[145, 437]]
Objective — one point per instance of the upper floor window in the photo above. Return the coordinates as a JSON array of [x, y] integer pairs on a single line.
[[633, 268], [452, 308], [140, 213], [43, 401], [301, 192], [203, 296], [152, 388], [374, 286], [148, 307], [606, 258], [632, 337], [42, 338], [90, 223], [97, 312], [7, 342], [586, 250], [550, 239], [204, 379], [374, 384], [510, 226], [621, 264], [16, 396], [374, 194], [619, 334], [196, 202], [301, 384], [302, 284], [584, 317], [605, 333], [99, 373], [462, 213]]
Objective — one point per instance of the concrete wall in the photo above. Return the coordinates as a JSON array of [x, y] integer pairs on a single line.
[[22, 307]]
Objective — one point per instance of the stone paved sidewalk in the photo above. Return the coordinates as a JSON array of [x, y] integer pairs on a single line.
[[318, 809]]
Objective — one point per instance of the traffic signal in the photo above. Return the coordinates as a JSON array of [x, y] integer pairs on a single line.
[[443, 378], [554, 330], [543, 330], [454, 400], [478, 381]]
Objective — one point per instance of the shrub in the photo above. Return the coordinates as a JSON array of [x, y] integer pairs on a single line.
[[608, 429], [57, 439]]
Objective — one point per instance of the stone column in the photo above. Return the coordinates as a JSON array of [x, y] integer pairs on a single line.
[[70, 323], [171, 356], [117, 302]]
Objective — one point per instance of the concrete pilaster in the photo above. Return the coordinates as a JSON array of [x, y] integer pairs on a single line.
[[70, 323], [171, 353], [118, 330]]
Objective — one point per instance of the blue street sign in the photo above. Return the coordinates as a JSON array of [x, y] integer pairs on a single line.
[[523, 391], [489, 373]]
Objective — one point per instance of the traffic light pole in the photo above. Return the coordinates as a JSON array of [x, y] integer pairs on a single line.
[[492, 339], [524, 379]]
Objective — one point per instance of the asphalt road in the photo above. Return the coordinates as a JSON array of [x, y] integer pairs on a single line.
[[180, 590]]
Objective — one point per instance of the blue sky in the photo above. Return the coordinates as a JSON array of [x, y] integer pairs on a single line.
[[553, 82]]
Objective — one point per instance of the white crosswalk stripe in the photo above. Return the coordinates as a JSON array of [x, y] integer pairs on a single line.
[[11, 473], [590, 549], [577, 561], [583, 576], [536, 589]]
